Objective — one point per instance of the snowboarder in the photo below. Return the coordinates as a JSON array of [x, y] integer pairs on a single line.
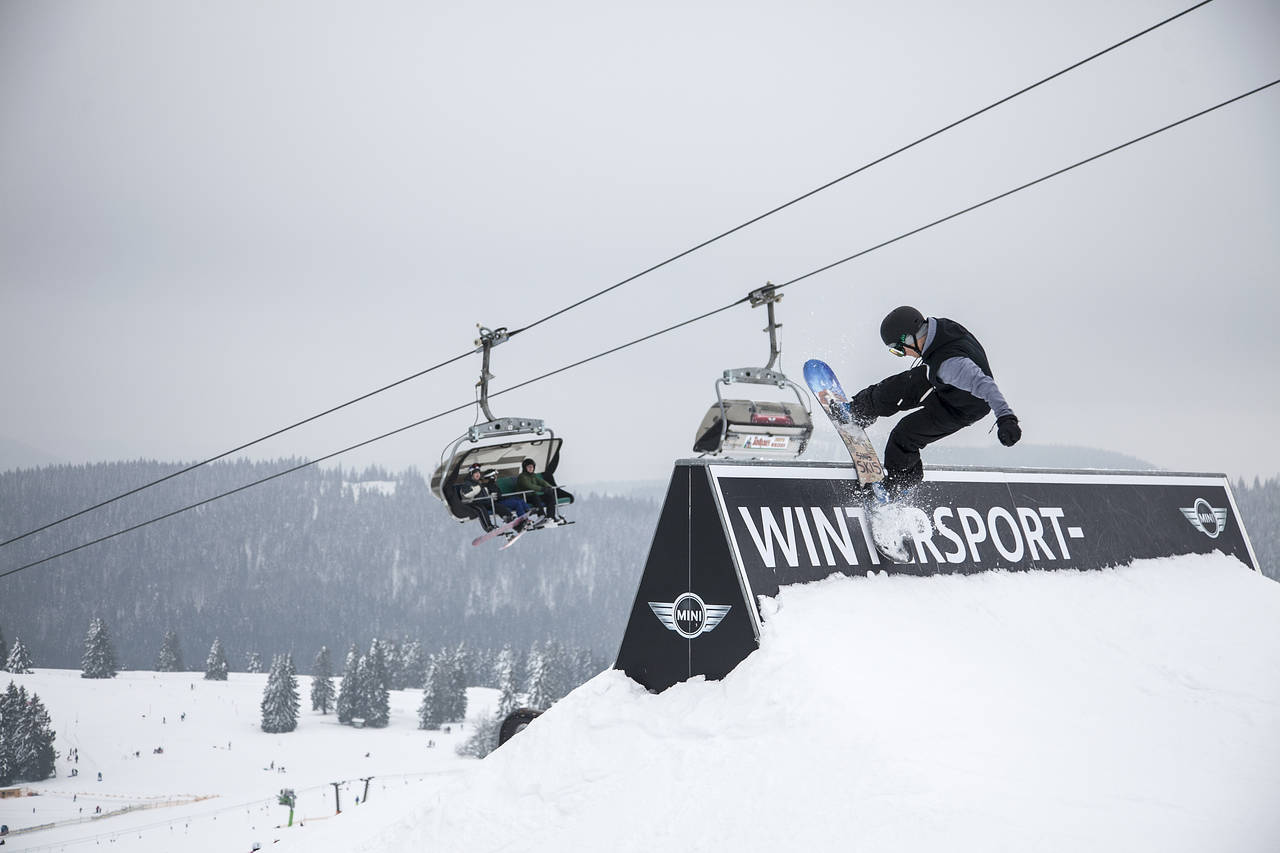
[[950, 389]]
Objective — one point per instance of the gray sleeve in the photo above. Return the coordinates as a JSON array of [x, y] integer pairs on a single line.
[[964, 374]]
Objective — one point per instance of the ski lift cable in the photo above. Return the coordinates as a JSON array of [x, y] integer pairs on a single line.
[[703, 316], [627, 280], [367, 442], [862, 168], [227, 453], [1027, 185]]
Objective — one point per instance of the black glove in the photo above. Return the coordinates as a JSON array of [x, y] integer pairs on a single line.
[[1007, 430]]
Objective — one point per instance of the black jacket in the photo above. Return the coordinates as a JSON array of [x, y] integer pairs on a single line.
[[951, 340]]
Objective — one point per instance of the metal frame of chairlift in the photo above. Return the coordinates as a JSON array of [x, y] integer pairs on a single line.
[[768, 297], [494, 427]]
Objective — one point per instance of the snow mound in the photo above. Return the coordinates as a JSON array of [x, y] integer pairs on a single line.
[[1136, 708]]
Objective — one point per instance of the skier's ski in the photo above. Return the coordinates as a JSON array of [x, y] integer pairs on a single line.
[[831, 397], [498, 531]]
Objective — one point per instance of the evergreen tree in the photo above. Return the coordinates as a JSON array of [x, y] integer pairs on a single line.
[[170, 657], [322, 695], [12, 701], [537, 693], [431, 711], [34, 755], [376, 699], [349, 691], [280, 698], [4, 652], [413, 666], [215, 665], [99, 659], [253, 662], [457, 706], [484, 739], [505, 675], [26, 739], [19, 661]]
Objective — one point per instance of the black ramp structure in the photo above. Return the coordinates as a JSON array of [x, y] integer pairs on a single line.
[[731, 532]]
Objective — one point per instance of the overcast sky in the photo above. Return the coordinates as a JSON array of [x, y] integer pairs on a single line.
[[217, 219]]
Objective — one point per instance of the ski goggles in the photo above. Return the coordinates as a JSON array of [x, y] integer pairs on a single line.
[[900, 348]]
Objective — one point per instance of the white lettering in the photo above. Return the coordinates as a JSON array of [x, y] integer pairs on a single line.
[[861, 514], [1034, 530], [764, 544], [999, 513], [827, 534], [975, 533], [939, 514], [1054, 513], [808, 537]]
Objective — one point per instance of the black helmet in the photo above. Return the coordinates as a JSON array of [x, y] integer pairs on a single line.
[[528, 462], [898, 322]]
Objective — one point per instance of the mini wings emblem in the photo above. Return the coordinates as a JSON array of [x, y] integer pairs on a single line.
[[689, 616], [1209, 520]]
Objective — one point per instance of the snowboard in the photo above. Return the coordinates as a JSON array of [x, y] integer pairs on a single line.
[[894, 524], [831, 397], [498, 531]]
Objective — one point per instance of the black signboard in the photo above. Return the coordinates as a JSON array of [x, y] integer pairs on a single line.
[[730, 533]]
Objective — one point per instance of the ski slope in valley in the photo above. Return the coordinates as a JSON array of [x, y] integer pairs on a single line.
[[1135, 708]]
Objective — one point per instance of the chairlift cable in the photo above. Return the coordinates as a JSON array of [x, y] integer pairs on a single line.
[[862, 168], [627, 280], [227, 453], [1027, 185], [652, 335]]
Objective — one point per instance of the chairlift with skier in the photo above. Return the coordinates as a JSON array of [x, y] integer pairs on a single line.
[[498, 449]]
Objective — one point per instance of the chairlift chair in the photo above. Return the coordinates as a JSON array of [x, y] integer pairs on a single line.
[[499, 446], [753, 428]]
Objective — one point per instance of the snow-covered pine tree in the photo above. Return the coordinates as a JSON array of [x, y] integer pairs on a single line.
[[26, 739], [253, 662], [280, 698], [504, 673], [537, 689], [558, 671], [215, 665], [19, 660], [170, 657], [413, 666], [12, 701], [351, 691], [33, 754], [458, 678], [322, 694], [99, 659], [431, 711], [376, 696], [484, 738]]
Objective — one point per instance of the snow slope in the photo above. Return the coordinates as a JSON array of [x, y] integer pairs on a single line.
[[1131, 709]]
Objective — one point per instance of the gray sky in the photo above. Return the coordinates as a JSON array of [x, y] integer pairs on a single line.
[[218, 219]]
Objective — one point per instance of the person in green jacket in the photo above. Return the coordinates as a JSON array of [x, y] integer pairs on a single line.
[[541, 494]]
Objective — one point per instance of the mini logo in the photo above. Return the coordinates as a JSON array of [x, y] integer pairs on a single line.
[[1207, 519], [689, 616]]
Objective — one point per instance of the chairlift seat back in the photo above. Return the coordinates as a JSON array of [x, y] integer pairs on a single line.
[[755, 428]]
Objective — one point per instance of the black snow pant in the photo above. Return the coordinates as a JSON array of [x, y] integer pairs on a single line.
[[544, 501], [930, 421]]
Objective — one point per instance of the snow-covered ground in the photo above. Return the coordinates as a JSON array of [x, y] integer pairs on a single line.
[[1136, 708]]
